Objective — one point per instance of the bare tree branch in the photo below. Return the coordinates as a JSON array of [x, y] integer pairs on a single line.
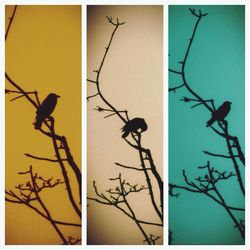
[[207, 184]]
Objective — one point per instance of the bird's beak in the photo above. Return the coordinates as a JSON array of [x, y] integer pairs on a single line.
[[58, 96]]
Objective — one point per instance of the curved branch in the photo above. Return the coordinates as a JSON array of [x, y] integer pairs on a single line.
[[42, 158], [10, 22], [219, 155], [136, 144], [64, 172], [225, 133], [19, 201]]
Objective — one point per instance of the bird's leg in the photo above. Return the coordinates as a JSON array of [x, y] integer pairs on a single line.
[[50, 119], [137, 133], [222, 123]]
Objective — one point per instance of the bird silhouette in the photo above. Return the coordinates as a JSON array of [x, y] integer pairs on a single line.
[[45, 109], [133, 126], [220, 113]]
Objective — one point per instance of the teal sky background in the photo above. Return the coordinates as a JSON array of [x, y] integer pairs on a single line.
[[215, 69]]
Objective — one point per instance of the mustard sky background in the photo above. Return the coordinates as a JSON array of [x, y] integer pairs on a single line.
[[43, 53], [132, 79]]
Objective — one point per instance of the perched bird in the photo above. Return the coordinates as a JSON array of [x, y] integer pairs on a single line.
[[45, 109], [220, 113], [133, 126]]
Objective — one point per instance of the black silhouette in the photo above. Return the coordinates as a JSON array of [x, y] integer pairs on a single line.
[[119, 197], [30, 193], [133, 126], [220, 113], [208, 183], [45, 109]]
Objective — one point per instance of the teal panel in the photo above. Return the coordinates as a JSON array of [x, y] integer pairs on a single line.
[[214, 70]]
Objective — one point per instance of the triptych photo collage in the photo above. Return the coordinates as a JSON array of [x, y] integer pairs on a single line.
[[124, 124]]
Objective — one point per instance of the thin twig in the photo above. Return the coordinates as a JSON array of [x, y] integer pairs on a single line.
[[43, 158], [128, 167], [175, 88], [46, 210], [219, 155], [115, 198], [10, 22], [19, 201]]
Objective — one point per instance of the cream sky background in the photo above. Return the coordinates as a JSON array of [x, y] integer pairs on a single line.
[[132, 79], [2, 96], [43, 53]]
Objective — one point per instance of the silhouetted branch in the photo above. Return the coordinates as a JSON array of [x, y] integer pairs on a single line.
[[153, 238], [238, 147], [128, 167], [10, 22], [119, 196], [175, 88], [73, 241], [36, 192], [8, 91], [92, 96], [43, 158], [91, 81], [200, 100], [237, 225], [117, 23], [236, 166], [72, 163], [170, 237], [114, 112], [193, 11], [29, 192], [208, 182], [32, 188], [63, 141], [50, 134], [24, 93], [173, 186], [206, 185], [219, 155], [98, 72], [124, 194], [63, 169], [175, 71]]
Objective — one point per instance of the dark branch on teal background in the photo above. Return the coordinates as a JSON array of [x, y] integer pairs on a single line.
[[207, 184], [119, 195], [29, 192]]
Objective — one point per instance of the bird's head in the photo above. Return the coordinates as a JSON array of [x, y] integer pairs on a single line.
[[54, 95], [228, 103], [144, 126]]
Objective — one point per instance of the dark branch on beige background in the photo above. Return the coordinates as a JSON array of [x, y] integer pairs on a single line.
[[145, 156]]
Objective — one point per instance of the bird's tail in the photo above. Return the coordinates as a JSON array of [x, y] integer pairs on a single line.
[[38, 123], [125, 134], [211, 121]]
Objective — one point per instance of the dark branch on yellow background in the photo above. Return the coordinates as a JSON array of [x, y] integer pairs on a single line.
[[61, 147], [10, 22]]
